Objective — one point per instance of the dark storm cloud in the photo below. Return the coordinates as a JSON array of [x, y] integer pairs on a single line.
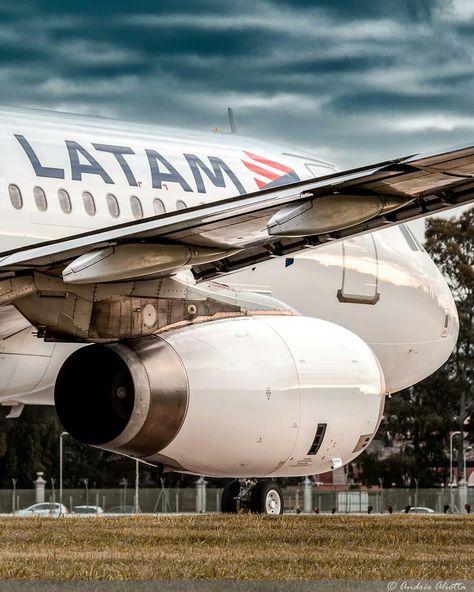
[[398, 9], [354, 80], [159, 42], [386, 102]]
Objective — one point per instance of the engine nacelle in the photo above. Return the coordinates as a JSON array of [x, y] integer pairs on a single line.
[[245, 397]]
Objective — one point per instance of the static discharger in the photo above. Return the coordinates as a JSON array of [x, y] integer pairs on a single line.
[[136, 261], [331, 212]]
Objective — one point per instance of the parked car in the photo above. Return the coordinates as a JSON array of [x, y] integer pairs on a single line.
[[44, 509], [421, 510], [121, 510], [87, 510]]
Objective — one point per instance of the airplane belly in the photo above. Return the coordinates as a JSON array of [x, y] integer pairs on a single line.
[[29, 366]]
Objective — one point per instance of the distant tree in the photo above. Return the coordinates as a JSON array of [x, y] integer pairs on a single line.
[[451, 245], [30, 443], [28, 446], [416, 426]]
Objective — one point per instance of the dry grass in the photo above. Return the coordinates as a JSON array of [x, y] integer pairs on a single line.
[[238, 547]]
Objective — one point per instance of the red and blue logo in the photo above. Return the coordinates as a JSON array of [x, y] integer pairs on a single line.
[[269, 173]]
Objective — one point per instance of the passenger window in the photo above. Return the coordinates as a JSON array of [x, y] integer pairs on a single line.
[[15, 196], [89, 203], [40, 199], [113, 205], [64, 201], [180, 205], [158, 206], [137, 209]]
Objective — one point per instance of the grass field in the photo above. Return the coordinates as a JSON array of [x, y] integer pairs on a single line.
[[242, 546]]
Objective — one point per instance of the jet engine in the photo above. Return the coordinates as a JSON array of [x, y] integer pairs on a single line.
[[241, 397]]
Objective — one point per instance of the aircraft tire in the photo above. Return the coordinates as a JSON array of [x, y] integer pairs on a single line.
[[228, 501], [266, 498]]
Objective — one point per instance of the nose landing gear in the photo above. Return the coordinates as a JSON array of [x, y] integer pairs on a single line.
[[250, 495]]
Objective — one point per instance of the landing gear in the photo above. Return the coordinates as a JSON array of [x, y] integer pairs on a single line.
[[266, 498], [249, 495], [229, 501]]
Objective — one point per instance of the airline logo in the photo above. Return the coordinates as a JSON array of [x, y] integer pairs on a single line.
[[269, 173]]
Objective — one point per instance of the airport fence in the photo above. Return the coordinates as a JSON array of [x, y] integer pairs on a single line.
[[207, 499]]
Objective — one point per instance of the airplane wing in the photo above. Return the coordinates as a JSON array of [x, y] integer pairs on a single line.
[[241, 231]]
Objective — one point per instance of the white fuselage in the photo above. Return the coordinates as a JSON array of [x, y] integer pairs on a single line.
[[75, 174]]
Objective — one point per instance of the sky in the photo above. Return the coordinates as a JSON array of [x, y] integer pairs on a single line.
[[354, 81]]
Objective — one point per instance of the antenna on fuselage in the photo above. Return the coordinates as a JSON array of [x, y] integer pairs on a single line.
[[233, 125]]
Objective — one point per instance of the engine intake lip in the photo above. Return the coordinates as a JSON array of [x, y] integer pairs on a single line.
[[129, 397]]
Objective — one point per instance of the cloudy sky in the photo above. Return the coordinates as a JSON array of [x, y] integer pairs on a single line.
[[353, 80]]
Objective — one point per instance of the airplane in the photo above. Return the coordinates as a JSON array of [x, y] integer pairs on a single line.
[[213, 304]]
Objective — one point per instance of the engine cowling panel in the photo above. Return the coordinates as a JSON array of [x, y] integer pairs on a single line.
[[244, 397]]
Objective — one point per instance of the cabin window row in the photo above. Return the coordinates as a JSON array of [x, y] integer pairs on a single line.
[[88, 201]]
